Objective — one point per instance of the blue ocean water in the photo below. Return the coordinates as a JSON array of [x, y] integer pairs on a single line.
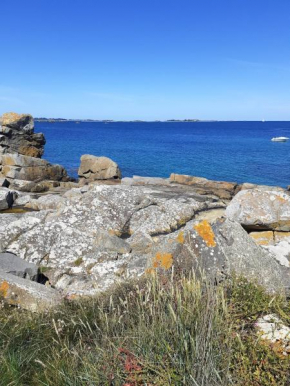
[[228, 151]]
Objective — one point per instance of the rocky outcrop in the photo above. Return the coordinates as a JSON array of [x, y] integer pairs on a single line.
[[95, 236], [17, 135], [20, 167], [221, 189], [259, 209], [98, 168], [20, 153]]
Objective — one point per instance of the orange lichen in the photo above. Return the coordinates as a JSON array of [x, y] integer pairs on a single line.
[[166, 260], [205, 231], [161, 260], [4, 289], [180, 237]]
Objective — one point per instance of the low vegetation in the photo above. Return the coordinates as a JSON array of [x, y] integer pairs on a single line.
[[156, 332]]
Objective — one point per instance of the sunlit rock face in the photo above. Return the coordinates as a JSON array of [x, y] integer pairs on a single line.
[[259, 209], [98, 168], [17, 135], [20, 153], [89, 239]]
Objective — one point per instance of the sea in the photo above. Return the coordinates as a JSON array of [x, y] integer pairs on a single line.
[[224, 151]]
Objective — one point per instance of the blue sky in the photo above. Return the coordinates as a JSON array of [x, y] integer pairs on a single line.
[[146, 59]]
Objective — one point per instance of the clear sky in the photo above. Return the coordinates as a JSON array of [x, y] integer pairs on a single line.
[[146, 59]]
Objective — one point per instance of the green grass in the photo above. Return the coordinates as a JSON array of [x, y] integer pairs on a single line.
[[156, 332]]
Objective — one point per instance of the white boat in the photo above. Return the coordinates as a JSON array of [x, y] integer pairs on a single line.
[[280, 139]]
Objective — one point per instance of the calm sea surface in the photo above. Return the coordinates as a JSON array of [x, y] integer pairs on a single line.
[[229, 151]]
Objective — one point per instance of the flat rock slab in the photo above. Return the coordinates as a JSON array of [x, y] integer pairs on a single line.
[[222, 189], [27, 294], [14, 265]]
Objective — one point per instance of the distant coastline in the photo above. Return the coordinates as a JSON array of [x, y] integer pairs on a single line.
[[112, 120], [43, 119]]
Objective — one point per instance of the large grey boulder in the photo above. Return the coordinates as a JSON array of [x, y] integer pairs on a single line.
[[98, 168], [89, 232], [218, 251], [261, 209]]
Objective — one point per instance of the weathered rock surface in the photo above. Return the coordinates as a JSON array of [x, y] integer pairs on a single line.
[[17, 135], [7, 198], [98, 168], [26, 294], [224, 190], [12, 264], [141, 181], [280, 250], [220, 250], [98, 235], [263, 237], [261, 209], [22, 167], [48, 201]]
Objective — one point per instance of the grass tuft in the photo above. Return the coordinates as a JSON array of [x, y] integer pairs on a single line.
[[155, 332]]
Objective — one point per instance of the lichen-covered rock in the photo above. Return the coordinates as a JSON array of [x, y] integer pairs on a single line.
[[98, 168], [218, 251], [261, 209], [89, 230], [12, 226], [224, 190], [263, 237], [48, 201], [99, 235]]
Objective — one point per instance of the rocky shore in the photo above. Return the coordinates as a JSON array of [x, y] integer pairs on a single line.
[[61, 238]]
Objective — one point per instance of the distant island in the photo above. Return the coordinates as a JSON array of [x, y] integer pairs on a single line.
[[111, 120]]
